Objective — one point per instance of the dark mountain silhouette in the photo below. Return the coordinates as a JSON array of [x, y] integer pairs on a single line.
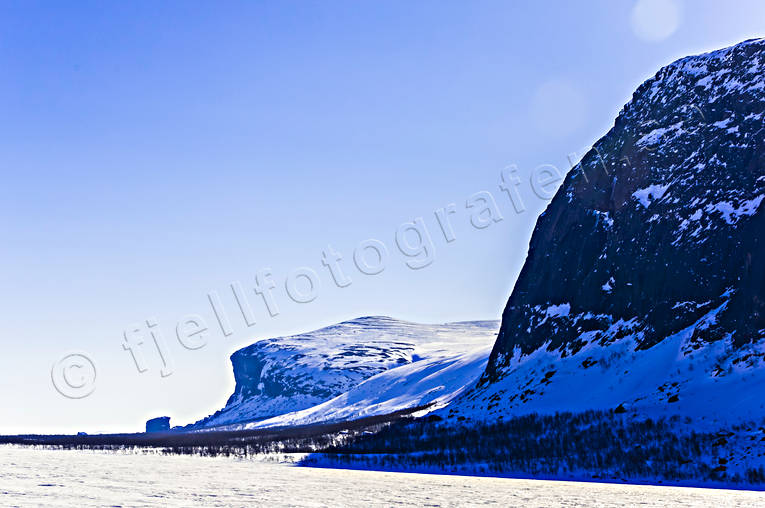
[[643, 285]]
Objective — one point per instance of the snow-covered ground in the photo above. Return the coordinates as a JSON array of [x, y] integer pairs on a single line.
[[33, 477]]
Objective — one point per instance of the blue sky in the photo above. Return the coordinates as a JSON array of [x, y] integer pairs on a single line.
[[153, 154]]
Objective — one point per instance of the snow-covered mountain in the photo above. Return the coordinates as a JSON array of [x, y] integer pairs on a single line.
[[434, 380], [363, 367], [643, 289]]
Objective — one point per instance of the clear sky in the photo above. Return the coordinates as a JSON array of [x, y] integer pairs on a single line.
[[154, 153]]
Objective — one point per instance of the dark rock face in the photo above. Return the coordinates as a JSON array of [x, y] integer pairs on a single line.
[[161, 424], [658, 224]]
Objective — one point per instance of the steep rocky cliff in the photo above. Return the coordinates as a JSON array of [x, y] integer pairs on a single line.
[[644, 282]]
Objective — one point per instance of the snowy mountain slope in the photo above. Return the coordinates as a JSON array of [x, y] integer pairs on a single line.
[[435, 380], [288, 374], [667, 379], [644, 286]]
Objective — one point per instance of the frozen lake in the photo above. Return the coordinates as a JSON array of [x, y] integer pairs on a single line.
[[31, 477]]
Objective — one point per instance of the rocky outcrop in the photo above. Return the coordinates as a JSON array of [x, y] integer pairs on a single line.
[[660, 222], [161, 424], [644, 284]]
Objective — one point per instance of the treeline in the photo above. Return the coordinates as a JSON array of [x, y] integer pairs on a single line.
[[592, 444], [243, 443]]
